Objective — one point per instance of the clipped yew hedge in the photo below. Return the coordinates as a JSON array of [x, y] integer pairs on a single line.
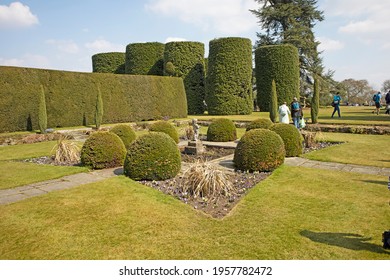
[[229, 77], [145, 59], [186, 60], [279, 63], [112, 62], [71, 98]]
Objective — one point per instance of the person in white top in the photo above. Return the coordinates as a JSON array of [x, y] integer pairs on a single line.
[[284, 111]]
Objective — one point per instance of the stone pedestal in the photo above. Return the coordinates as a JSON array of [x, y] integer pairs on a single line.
[[194, 148]]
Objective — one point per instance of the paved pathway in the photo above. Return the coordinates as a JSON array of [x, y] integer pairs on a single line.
[[13, 195]]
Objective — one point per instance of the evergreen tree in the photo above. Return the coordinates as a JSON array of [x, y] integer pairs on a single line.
[[292, 21], [99, 109], [273, 106], [42, 113], [315, 102]]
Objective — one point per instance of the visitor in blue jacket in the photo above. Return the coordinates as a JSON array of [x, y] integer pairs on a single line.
[[336, 104]]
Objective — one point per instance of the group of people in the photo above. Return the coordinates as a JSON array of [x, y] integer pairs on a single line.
[[295, 111]]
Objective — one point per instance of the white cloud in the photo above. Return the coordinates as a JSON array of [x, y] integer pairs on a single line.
[[230, 17], [102, 45], [16, 15], [174, 39], [328, 44], [67, 46]]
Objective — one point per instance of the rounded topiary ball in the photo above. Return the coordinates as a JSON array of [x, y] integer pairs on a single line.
[[125, 133], [259, 123], [259, 150], [166, 127], [152, 156], [221, 130], [291, 137], [103, 150]]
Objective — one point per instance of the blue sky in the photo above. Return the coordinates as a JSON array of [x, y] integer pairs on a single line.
[[63, 35]]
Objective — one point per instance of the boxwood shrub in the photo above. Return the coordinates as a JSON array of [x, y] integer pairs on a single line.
[[259, 123], [166, 127], [221, 130], [125, 133], [291, 137], [259, 150], [152, 156]]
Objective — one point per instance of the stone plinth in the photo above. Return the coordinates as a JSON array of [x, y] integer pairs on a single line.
[[194, 148]]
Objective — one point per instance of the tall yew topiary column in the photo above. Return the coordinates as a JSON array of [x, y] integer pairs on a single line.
[[145, 59], [229, 77], [112, 62], [42, 112], [315, 102], [99, 109], [279, 63], [186, 60], [273, 106]]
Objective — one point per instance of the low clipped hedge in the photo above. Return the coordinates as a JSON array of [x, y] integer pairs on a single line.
[[221, 130], [153, 156], [103, 150], [125, 133], [111, 62], [291, 137], [145, 59], [71, 98], [259, 123], [165, 127], [259, 150]]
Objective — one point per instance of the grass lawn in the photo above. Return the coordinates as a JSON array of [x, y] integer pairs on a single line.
[[318, 214], [372, 150], [16, 173]]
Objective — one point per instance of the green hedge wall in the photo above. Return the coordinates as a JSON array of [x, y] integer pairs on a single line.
[[71, 98], [145, 59], [279, 63], [112, 62], [186, 60], [229, 77]]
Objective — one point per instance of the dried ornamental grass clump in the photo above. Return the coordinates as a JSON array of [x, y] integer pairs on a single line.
[[203, 179], [66, 151]]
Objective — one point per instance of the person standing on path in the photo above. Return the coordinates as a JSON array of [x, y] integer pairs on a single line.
[[377, 99], [284, 111], [387, 99], [296, 112], [336, 104]]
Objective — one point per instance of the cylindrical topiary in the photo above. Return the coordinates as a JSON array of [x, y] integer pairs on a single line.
[[292, 139], [166, 127], [229, 77], [315, 102], [103, 150], [259, 150], [273, 106], [42, 111], [99, 109], [279, 63], [221, 130], [112, 62], [125, 133], [186, 60], [259, 123], [145, 59], [152, 156]]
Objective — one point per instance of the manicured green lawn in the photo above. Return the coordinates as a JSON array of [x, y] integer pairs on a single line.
[[297, 213], [359, 149], [16, 173]]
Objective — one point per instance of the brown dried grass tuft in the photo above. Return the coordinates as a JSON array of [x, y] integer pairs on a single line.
[[66, 151], [203, 179]]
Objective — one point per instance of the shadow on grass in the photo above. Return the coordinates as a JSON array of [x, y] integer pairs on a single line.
[[376, 182], [349, 241]]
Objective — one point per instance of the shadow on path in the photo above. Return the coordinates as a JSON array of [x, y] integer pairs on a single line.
[[349, 241]]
